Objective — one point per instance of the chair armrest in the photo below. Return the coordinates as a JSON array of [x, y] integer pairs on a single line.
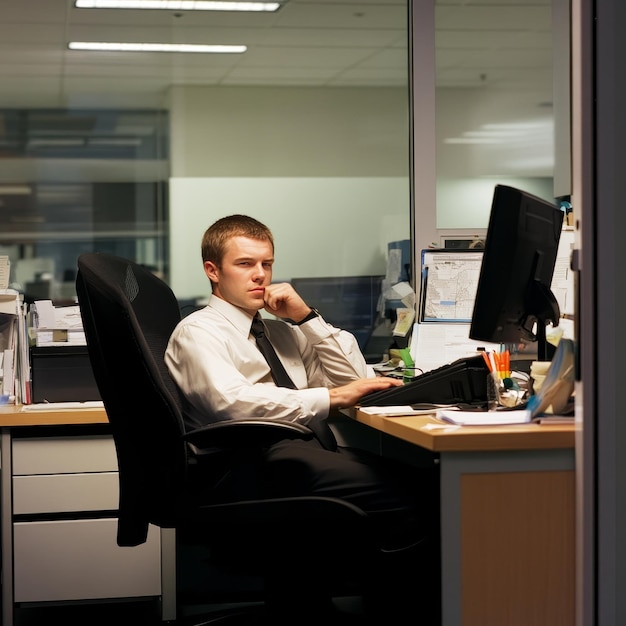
[[249, 432]]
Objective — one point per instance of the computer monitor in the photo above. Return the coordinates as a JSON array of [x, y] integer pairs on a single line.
[[514, 302], [348, 302]]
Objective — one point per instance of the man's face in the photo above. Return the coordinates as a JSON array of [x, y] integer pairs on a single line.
[[245, 271]]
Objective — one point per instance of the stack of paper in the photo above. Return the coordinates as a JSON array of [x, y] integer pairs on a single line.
[[484, 418], [57, 326]]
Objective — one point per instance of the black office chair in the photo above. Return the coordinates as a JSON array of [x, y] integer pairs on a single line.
[[128, 315]]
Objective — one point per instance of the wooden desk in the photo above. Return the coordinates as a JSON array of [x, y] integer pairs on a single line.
[[58, 493], [507, 514], [13, 416], [507, 518]]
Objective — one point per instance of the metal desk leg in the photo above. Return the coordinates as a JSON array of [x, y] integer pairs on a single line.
[[168, 574], [6, 523]]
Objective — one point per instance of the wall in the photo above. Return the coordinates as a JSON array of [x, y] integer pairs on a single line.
[[326, 169], [330, 165], [274, 131], [466, 202], [322, 226]]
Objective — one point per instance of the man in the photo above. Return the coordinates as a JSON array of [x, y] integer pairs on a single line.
[[223, 375]]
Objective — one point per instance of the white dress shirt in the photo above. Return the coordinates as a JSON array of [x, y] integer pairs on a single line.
[[215, 362]]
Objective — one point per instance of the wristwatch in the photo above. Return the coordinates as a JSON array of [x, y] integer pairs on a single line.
[[312, 315]]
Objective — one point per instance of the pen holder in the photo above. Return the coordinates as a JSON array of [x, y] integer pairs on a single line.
[[507, 391]]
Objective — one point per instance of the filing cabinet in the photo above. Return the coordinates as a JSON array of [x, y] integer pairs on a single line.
[[65, 496]]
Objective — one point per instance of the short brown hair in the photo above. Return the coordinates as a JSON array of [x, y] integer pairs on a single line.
[[217, 235]]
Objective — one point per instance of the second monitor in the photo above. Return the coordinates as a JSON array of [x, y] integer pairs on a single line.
[[348, 302]]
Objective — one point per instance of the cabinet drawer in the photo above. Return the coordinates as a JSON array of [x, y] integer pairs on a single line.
[[64, 455], [59, 493], [76, 560]]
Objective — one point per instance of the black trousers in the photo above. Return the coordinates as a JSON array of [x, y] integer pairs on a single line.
[[401, 580], [401, 499], [402, 504]]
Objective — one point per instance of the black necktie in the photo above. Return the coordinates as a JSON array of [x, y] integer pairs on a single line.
[[279, 374], [281, 378]]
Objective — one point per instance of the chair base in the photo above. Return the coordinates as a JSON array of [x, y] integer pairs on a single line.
[[346, 611]]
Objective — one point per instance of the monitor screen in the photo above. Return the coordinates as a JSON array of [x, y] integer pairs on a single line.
[[347, 302], [514, 302]]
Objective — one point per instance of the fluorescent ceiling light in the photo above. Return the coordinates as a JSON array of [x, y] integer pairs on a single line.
[[153, 47], [501, 133], [473, 140], [15, 190], [55, 143], [516, 126], [177, 5], [114, 141], [507, 134]]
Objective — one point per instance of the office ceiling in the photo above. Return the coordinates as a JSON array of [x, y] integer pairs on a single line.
[[502, 48], [497, 44]]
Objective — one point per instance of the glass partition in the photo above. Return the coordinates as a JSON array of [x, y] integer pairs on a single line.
[[308, 132], [494, 100], [316, 145], [81, 180]]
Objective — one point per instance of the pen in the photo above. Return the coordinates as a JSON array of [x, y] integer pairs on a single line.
[[496, 358]]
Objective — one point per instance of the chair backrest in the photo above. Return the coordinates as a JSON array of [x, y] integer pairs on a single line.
[[128, 316]]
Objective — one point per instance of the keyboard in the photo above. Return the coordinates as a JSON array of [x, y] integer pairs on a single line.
[[461, 383]]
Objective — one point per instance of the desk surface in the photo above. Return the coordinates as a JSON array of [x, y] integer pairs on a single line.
[[428, 432], [423, 430], [13, 416]]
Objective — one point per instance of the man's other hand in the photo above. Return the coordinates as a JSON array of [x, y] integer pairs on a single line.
[[350, 394]]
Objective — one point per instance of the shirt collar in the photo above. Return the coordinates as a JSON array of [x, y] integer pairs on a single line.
[[236, 316]]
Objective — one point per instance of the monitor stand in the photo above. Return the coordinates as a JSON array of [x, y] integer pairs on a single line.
[[545, 308], [545, 350]]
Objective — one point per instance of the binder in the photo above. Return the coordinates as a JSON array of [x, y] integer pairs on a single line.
[[15, 369]]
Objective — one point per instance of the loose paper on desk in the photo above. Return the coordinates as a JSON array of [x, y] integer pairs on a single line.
[[396, 411], [484, 418], [62, 406]]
